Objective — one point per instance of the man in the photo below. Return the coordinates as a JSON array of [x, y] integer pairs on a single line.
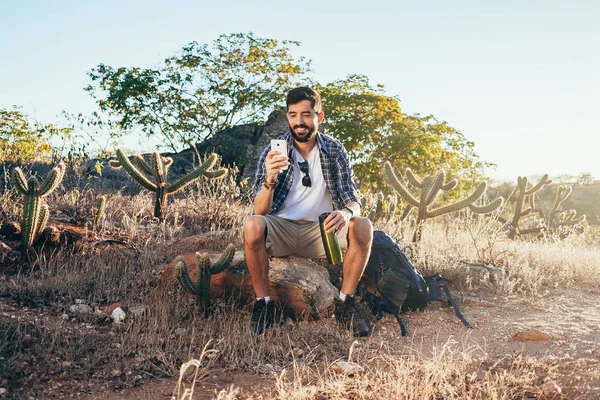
[[292, 190]]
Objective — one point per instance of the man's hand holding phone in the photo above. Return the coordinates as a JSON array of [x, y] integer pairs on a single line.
[[277, 160]]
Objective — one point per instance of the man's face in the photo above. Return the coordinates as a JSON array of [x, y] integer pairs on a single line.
[[303, 120]]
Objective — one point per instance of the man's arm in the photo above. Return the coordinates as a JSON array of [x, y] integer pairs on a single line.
[[340, 218], [273, 163]]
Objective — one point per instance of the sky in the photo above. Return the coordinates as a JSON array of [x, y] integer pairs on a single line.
[[521, 79]]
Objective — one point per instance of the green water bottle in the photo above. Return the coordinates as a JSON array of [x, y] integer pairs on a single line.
[[330, 242]]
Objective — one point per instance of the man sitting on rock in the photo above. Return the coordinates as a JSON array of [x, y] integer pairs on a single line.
[[292, 190]]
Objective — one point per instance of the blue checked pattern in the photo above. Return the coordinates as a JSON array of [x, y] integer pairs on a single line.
[[337, 173]]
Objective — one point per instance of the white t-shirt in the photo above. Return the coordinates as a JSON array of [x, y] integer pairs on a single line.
[[307, 203]]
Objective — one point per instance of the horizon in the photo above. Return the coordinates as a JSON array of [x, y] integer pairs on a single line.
[[516, 79]]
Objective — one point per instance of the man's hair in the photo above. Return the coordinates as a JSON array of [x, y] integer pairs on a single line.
[[304, 93]]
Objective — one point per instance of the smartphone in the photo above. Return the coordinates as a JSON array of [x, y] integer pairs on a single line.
[[281, 146]]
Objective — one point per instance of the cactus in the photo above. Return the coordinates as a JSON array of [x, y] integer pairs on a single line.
[[202, 287], [523, 194], [159, 169], [557, 219], [430, 188], [99, 215], [35, 212]]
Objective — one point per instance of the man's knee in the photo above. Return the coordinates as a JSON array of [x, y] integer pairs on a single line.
[[360, 232], [254, 230]]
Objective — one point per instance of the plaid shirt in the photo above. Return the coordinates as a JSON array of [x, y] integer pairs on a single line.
[[337, 173]]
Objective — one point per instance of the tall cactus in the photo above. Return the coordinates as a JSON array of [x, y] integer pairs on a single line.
[[35, 212], [430, 188], [202, 287], [99, 214], [523, 194], [159, 169]]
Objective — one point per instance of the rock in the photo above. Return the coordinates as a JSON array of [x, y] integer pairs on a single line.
[[532, 335], [80, 309], [551, 389], [276, 125], [118, 315], [115, 373], [110, 308], [347, 368], [299, 285]]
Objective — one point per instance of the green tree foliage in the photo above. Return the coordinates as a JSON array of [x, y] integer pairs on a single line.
[[203, 89], [373, 128], [24, 141]]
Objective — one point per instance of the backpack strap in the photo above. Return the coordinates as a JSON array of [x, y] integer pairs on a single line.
[[402, 327], [378, 305], [456, 310], [434, 283]]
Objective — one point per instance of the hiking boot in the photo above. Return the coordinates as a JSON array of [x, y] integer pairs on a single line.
[[263, 316], [346, 313]]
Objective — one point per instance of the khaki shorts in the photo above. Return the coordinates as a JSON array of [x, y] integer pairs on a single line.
[[286, 237]]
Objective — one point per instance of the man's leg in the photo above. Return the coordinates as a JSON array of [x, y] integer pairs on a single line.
[[255, 253], [360, 237], [257, 261]]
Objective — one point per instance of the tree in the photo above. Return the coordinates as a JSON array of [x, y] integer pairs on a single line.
[[373, 128], [202, 90], [24, 141]]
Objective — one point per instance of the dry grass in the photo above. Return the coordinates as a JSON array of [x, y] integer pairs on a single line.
[[170, 332]]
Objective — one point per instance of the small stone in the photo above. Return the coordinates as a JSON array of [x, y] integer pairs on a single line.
[[115, 373], [532, 335], [139, 360], [212, 356], [27, 338], [347, 368], [118, 315], [81, 308], [65, 317], [3, 391], [551, 389]]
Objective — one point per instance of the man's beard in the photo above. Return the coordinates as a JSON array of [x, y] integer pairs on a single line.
[[308, 135]]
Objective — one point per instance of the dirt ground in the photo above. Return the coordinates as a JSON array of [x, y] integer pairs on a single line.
[[572, 318]]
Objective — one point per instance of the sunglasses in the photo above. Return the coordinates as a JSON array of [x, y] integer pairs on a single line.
[[304, 169]]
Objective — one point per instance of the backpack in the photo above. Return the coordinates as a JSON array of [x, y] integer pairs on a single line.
[[400, 286]]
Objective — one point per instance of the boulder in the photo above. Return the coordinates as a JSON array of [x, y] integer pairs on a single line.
[[299, 285]]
